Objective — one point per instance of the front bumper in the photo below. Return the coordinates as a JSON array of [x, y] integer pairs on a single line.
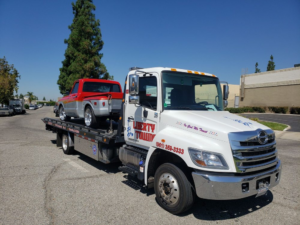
[[218, 187]]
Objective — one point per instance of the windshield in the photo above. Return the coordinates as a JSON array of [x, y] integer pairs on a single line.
[[183, 91]]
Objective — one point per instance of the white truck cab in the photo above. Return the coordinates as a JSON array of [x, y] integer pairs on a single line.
[[177, 116]]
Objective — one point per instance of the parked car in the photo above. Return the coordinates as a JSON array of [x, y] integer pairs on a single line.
[[18, 106], [32, 107], [7, 111], [40, 105], [35, 106]]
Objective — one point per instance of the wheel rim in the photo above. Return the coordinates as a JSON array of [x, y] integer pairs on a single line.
[[62, 114], [168, 188], [88, 117], [65, 142]]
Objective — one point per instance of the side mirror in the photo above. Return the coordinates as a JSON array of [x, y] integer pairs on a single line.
[[134, 99], [133, 84], [225, 103], [225, 91]]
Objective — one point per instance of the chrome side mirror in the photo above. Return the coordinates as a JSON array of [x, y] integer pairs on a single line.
[[225, 103], [133, 84], [225, 91], [134, 99]]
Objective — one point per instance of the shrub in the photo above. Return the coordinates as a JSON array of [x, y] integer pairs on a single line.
[[295, 110], [259, 109], [26, 106], [283, 110]]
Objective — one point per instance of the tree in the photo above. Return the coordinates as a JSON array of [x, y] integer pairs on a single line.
[[44, 99], [9, 79], [271, 64], [21, 96], [30, 96], [256, 68], [82, 56]]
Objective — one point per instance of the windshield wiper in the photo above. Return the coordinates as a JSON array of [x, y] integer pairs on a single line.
[[178, 107]]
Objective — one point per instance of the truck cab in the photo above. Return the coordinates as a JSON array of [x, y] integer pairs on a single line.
[[177, 116]]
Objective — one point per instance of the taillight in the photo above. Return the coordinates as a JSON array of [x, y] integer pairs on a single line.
[[103, 103]]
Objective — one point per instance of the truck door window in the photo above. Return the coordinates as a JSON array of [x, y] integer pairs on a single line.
[[75, 89], [148, 92]]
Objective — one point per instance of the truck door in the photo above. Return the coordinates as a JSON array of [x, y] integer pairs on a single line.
[[141, 119], [70, 106]]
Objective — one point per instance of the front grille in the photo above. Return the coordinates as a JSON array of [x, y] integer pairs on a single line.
[[255, 143], [258, 162], [249, 155]]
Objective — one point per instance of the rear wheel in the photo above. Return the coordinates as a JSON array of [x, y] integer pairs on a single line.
[[172, 188], [62, 114], [66, 145], [89, 117]]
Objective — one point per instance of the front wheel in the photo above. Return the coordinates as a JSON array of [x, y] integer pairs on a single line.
[[62, 114], [173, 190], [67, 149], [89, 117]]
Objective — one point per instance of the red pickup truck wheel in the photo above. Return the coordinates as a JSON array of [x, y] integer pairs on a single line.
[[62, 114], [89, 117]]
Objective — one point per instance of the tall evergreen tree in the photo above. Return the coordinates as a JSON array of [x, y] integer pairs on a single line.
[[271, 64], [82, 56], [256, 68]]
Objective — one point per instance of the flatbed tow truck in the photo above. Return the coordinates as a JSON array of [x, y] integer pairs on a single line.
[[174, 135]]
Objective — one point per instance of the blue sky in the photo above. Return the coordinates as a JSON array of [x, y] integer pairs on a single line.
[[218, 37]]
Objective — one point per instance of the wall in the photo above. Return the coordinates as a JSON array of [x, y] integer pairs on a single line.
[[272, 88]]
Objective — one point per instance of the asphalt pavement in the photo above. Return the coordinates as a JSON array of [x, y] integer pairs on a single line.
[[41, 185], [292, 120]]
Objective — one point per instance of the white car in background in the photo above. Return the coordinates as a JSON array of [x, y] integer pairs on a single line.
[[32, 107]]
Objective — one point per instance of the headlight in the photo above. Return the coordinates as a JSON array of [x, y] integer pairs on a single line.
[[208, 159]]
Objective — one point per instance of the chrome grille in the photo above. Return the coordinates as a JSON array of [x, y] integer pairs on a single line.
[[251, 156]]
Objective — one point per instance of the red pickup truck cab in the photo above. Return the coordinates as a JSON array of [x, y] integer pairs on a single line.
[[92, 99]]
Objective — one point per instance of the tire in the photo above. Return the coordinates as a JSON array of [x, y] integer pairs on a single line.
[[177, 197], [66, 145], [90, 119], [62, 114]]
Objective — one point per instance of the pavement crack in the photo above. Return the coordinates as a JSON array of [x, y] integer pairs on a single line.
[[48, 196]]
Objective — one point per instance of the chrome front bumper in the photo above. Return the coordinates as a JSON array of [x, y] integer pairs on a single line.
[[218, 187]]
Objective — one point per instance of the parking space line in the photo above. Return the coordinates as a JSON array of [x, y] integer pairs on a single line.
[[77, 166]]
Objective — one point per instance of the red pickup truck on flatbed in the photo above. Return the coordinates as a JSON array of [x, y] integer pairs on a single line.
[[92, 99]]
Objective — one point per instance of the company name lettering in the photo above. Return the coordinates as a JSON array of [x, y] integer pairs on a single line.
[[148, 127]]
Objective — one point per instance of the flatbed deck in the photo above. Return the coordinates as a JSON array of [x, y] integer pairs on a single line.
[[102, 135]]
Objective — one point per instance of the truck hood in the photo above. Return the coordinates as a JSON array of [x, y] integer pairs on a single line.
[[216, 124]]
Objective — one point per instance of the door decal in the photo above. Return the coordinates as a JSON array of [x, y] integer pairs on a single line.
[[142, 131]]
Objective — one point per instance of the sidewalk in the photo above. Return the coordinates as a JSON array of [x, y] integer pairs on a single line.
[[288, 135]]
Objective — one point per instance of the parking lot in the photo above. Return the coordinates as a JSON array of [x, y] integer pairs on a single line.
[[41, 185]]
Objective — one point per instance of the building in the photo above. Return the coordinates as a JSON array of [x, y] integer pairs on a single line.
[[271, 88]]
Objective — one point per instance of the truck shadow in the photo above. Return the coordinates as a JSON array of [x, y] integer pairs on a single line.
[[228, 209]]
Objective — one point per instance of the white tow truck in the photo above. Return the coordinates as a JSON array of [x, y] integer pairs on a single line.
[[174, 135]]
